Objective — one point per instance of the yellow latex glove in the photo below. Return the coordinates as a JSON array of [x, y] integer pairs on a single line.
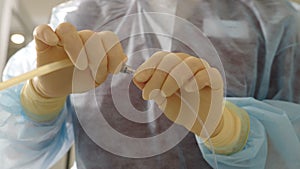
[[186, 88], [94, 55], [190, 93], [233, 136]]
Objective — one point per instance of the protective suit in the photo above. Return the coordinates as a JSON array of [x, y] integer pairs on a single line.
[[258, 46]]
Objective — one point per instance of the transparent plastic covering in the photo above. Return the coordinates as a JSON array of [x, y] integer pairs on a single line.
[[251, 40], [119, 88], [257, 46], [116, 109], [254, 44]]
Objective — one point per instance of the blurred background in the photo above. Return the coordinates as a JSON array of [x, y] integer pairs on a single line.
[[21, 17], [25, 15], [18, 18]]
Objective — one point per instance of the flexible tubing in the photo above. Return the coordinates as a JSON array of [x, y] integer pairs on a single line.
[[43, 70]]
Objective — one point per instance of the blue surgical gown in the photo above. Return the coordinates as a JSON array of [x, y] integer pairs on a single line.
[[260, 68]]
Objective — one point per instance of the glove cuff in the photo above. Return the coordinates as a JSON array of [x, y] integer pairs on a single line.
[[234, 134], [37, 107]]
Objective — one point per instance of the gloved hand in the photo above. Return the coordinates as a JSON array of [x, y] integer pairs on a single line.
[[94, 56], [190, 93], [186, 88]]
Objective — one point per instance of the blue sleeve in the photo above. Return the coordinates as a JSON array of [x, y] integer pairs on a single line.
[[273, 139], [28, 144], [23, 142]]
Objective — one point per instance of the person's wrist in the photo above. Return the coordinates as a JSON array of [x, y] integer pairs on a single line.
[[219, 127], [233, 135], [39, 107], [39, 89]]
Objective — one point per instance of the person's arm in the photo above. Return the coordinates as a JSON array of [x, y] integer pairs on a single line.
[[40, 102], [24, 142], [273, 140], [94, 55], [244, 134], [232, 132]]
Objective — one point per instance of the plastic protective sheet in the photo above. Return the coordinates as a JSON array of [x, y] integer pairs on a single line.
[[259, 36], [258, 45]]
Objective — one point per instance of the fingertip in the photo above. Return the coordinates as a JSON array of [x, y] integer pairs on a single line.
[[73, 45], [216, 79], [138, 84], [44, 35], [65, 28], [145, 95], [145, 71], [51, 38]]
